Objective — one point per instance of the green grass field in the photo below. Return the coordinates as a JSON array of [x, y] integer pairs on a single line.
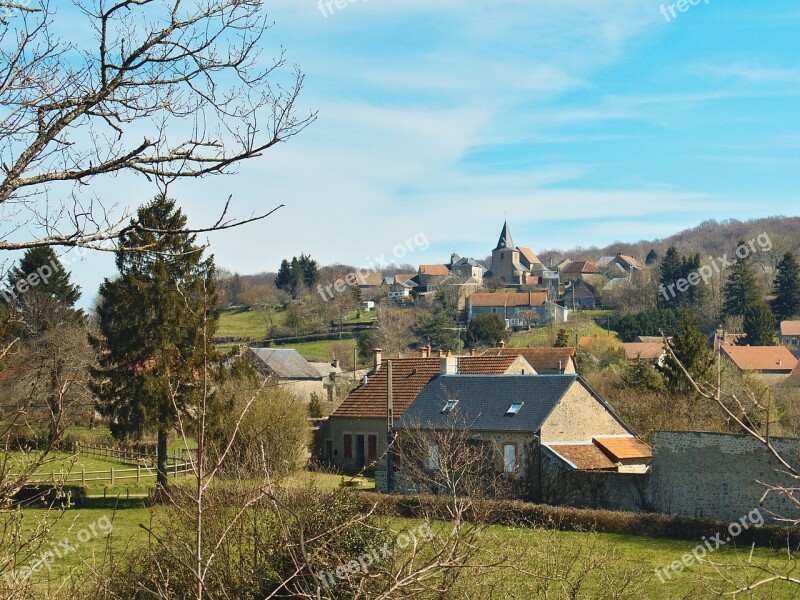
[[579, 325], [321, 351], [600, 561], [241, 322]]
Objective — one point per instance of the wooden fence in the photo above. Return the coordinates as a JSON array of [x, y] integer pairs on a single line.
[[112, 475], [177, 455]]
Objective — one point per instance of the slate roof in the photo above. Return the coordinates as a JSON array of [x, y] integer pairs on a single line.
[[761, 358], [409, 377], [605, 261], [619, 283], [483, 401], [286, 363], [505, 240], [543, 360]]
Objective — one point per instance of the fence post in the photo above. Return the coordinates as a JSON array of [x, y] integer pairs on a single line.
[[112, 475], [83, 477], [138, 473]]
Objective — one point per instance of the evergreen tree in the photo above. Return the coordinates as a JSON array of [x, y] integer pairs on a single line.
[[740, 289], [438, 327], [759, 324], [155, 322], [691, 349], [670, 271], [486, 330], [562, 339], [49, 301], [310, 270], [651, 257], [284, 279], [786, 303]]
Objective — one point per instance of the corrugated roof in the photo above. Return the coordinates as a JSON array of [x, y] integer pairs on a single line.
[[286, 363], [623, 448], [409, 377], [484, 400], [761, 358], [505, 300], [790, 327], [584, 457], [543, 360]]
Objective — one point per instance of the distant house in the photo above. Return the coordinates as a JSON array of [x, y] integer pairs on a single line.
[[772, 363], [517, 309], [580, 295], [516, 419], [790, 333], [429, 278], [289, 368], [369, 281], [578, 269], [355, 434], [545, 361], [368, 305], [466, 268], [614, 293], [653, 352]]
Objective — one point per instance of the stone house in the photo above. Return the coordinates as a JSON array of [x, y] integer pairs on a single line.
[[355, 434], [772, 363], [517, 309], [790, 333], [580, 295], [578, 270], [291, 370], [521, 417], [545, 361]]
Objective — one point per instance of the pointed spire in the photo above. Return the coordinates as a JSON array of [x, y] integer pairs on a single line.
[[505, 240]]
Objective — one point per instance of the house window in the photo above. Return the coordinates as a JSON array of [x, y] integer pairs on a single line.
[[348, 445], [433, 457], [372, 446], [514, 408], [509, 458], [451, 404]]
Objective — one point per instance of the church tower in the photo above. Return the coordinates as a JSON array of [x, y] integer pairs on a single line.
[[505, 259]]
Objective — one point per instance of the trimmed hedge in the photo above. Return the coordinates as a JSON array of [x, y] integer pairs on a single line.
[[516, 513], [49, 496]]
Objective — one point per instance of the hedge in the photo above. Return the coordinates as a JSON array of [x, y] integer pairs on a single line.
[[516, 513]]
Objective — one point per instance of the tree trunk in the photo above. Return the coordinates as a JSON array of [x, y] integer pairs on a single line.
[[162, 482]]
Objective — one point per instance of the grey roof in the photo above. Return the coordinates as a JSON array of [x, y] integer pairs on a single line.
[[483, 401], [468, 262], [324, 369], [285, 363], [505, 240], [619, 283]]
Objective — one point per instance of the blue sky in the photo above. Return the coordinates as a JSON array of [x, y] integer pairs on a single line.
[[584, 121]]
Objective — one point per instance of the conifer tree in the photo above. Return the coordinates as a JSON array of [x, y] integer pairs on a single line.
[[740, 289], [759, 324], [156, 320], [691, 349], [786, 303]]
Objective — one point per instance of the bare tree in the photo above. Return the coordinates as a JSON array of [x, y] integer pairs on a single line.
[[167, 90]]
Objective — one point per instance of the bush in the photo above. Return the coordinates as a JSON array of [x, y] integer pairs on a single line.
[[515, 513]]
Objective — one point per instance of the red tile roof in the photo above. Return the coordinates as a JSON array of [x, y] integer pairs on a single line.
[[761, 358], [790, 327], [434, 270], [543, 360], [631, 261], [643, 350], [513, 299], [585, 457], [529, 255], [623, 448], [409, 376], [581, 266]]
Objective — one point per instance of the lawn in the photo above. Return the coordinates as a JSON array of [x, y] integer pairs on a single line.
[[579, 325], [602, 561], [321, 351], [242, 322]]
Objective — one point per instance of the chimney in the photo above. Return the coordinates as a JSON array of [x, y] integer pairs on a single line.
[[449, 364], [332, 387], [429, 353], [502, 343], [335, 364], [424, 352], [473, 352], [378, 357], [560, 368], [441, 353], [530, 297]]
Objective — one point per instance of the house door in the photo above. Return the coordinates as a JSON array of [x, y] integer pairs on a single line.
[[328, 457], [359, 451]]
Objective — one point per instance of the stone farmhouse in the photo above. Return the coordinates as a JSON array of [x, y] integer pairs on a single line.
[[772, 363], [519, 309]]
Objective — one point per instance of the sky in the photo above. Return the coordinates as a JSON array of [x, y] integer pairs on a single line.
[[581, 122]]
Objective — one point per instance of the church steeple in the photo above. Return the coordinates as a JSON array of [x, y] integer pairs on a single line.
[[505, 241]]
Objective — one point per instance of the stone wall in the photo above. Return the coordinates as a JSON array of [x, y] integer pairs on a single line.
[[716, 476], [579, 417]]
